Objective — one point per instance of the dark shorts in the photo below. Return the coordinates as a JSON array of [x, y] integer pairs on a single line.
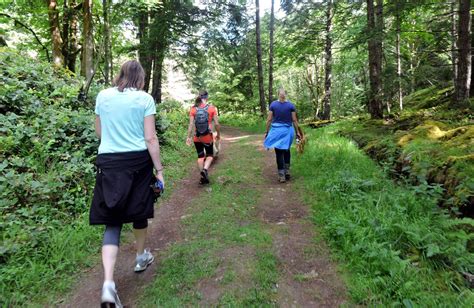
[[204, 149]]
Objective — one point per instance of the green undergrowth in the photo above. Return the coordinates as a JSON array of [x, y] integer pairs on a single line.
[[47, 152], [225, 248], [399, 248], [430, 142], [249, 123]]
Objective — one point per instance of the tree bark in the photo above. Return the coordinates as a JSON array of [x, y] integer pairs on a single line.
[[73, 48], [261, 91], [399, 57], [270, 64], [454, 46], [144, 54], [375, 64], [158, 75], [463, 81], [65, 33], [56, 40], [107, 44], [328, 63], [87, 65]]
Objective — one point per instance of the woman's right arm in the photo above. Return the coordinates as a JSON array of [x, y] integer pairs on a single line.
[[153, 146], [269, 121], [190, 130], [98, 130]]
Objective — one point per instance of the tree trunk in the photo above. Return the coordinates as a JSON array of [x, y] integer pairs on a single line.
[[375, 56], [65, 33], [57, 42], [471, 88], [261, 91], [87, 65], [144, 54], [454, 46], [399, 57], [72, 41], [463, 81], [158, 74], [328, 63], [107, 44], [270, 64]]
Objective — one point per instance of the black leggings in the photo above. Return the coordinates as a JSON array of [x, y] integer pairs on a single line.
[[112, 232], [283, 158]]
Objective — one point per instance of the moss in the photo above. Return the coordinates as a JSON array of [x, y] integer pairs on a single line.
[[430, 141]]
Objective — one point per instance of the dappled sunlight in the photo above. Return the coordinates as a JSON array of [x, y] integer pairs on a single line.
[[236, 139]]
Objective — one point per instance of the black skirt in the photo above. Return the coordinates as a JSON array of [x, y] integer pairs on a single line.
[[122, 191]]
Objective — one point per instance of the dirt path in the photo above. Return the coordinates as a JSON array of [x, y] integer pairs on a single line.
[[307, 277]]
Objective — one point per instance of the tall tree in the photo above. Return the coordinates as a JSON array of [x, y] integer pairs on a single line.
[[87, 66], [261, 90], [73, 48], [463, 81], [144, 52], [56, 39], [270, 60], [374, 23], [399, 55], [328, 62], [454, 46], [107, 42]]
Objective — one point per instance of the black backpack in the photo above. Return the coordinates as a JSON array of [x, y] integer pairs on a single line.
[[201, 121]]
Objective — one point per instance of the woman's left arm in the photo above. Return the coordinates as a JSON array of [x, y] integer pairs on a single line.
[[98, 130]]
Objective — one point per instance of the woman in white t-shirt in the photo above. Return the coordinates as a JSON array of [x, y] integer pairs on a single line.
[[129, 149]]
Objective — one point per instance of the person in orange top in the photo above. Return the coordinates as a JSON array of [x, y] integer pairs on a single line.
[[201, 116]]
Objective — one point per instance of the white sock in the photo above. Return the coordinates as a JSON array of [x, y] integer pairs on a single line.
[[109, 283]]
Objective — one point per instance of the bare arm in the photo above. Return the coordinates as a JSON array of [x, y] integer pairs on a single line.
[[217, 126], [98, 130], [153, 145], [269, 121], [190, 130], [295, 124]]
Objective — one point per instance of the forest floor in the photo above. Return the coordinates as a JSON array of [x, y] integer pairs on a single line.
[[245, 239]]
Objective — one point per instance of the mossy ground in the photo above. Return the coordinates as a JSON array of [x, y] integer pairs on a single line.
[[429, 142]]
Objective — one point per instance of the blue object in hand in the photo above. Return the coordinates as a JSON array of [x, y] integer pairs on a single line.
[[158, 188]]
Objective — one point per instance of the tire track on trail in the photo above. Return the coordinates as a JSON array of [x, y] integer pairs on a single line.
[[308, 278]]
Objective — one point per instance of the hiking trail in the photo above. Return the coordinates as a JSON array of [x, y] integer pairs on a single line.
[[304, 272]]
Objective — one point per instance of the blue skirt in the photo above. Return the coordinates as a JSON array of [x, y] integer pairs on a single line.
[[280, 136]]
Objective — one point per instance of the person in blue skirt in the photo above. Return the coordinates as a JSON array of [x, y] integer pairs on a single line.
[[281, 127]]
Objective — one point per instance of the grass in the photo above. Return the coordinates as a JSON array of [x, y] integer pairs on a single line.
[[248, 123], [398, 246], [225, 246], [430, 142]]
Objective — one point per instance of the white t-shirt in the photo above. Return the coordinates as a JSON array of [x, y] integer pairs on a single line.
[[122, 119]]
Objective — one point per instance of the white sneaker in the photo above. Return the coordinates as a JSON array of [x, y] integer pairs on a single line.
[[143, 260], [110, 297]]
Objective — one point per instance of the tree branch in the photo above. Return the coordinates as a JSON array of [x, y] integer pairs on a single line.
[[17, 22]]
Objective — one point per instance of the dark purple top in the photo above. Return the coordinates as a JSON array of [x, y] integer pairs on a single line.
[[282, 112]]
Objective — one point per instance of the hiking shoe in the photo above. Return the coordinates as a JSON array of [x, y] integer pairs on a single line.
[[204, 177], [281, 176], [143, 260], [109, 297], [287, 172]]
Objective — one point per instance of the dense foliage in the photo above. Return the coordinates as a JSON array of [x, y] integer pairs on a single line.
[[400, 248]]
